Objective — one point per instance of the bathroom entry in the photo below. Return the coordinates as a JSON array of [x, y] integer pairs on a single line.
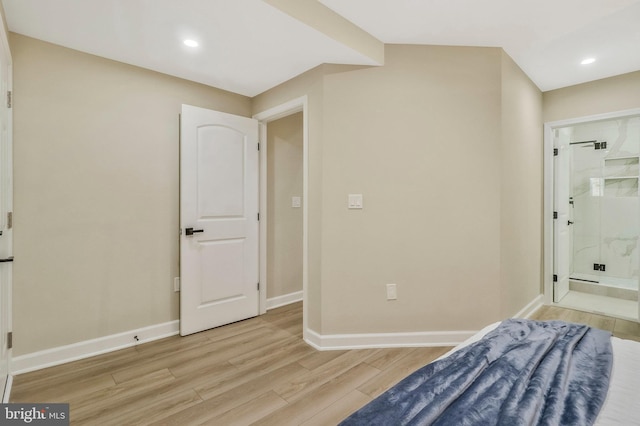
[[597, 216]]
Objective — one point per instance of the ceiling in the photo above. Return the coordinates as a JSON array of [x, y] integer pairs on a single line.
[[249, 46]]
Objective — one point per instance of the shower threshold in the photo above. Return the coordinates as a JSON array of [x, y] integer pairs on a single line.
[[605, 286]]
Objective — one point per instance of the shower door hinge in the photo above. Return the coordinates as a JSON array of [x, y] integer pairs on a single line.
[[599, 267], [555, 215], [555, 152], [555, 278], [600, 145], [10, 340]]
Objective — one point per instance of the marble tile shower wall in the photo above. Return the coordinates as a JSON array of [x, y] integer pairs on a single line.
[[606, 207]]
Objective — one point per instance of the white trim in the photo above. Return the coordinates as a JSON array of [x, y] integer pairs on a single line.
[[280, 111], [88, 348], [7, 389], [283, 110], [8, 285], [386, 340], [549, 128], [285, 299], [395, 340], [547, 209], [262, 236], [533, 306]]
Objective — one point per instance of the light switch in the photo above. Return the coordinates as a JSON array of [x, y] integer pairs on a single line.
[[295, 202], [355, 201]]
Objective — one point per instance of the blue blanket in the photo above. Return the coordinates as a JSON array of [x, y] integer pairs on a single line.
[[522, 373]]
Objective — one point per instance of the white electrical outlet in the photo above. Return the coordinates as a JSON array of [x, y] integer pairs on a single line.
[[392, 292], [176, 284]]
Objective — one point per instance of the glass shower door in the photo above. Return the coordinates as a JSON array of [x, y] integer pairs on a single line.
[[620, 223], [585, 200]]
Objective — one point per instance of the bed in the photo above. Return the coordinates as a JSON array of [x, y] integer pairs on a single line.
[[519, 372]]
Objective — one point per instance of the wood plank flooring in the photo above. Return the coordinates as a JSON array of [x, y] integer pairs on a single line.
[[257, 371]]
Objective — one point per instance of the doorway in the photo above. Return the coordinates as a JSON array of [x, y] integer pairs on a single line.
[[284, 151], [295, 110], [596, 213]]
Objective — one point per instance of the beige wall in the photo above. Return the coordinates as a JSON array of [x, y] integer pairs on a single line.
[[96, 193], [521, 181], [284, 222], [420, 139], [597, 97], [428, 141]]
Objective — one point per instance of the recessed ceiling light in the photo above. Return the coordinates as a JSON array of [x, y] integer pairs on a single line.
[[191, 43], [588, 61]]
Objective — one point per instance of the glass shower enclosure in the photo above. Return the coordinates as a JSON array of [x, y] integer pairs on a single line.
[[597, 216]]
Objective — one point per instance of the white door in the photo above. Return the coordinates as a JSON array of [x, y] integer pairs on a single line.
[[561, 224], [6, 197], [218, 219]]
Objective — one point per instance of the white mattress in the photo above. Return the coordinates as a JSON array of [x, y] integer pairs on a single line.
[[622, 406]]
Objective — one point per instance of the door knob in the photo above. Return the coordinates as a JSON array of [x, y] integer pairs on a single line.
[[191, 231]]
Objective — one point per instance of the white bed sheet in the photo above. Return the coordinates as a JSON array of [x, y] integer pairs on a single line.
[[622, 405]]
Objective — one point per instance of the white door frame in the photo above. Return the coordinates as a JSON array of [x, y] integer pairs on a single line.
[[549, 180], [4, 40], [264, 117]]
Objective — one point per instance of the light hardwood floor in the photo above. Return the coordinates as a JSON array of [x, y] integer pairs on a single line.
[[257, 371]]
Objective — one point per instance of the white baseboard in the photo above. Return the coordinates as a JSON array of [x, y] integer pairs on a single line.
[[63, 354], [533, 306], [286, 299], [385, 340], [393, 340]]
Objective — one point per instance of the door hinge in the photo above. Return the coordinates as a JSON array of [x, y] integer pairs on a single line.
[[258, 287], [555, 215], [10, 340], [555, 152], [599, 267], [555, 278], [9, 99], [258, 146], [9, 220], [258, 217]]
